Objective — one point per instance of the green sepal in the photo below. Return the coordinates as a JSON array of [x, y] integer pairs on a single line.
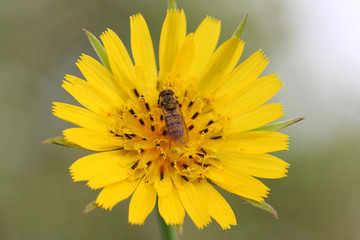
[[279, 125], [240, 28], [89, 208], [99, 49], [171, 4], [263, 206], [61, 141]]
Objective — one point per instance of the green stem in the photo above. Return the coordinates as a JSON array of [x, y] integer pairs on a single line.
[[168, 232], [172, 4]]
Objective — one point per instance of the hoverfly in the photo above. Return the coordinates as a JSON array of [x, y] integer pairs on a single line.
[[173, 118]]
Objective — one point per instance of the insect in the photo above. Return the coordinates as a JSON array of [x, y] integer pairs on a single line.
[[173, 117]]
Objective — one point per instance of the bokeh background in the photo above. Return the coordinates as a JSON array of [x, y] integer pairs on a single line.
[[313, 45]]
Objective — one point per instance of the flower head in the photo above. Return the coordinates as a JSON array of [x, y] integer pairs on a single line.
[[170, 134]]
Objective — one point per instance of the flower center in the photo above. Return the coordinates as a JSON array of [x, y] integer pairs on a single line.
[[169, 132]]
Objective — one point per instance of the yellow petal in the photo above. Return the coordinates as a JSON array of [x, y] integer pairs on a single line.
[[171, 209], [101, 79], [243, 75], [217, 206], [255, 118], [142, 49], [221, 63], [255, 94], [142, 203], [93, 140], [102, 169], [87, 96], [146, 88], [153, 171], [194, 206], [81, 117], [93, 164], [206, 38], [178, 181], [114, 193], [241, 185], [172, 36], [183, 64], [120, 62], [256, 142], [163, 184], [257, 165]]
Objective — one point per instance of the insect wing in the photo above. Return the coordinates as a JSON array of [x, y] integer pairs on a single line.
[[185, 137]]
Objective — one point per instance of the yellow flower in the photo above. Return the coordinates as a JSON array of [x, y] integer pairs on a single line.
[[152, 152]]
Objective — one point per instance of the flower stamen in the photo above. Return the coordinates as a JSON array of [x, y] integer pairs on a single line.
[[195, 115], [136, 93]]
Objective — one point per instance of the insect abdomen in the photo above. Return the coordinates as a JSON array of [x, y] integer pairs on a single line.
[[174, 125]]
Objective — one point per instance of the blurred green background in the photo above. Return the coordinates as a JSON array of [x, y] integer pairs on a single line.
[[313, 45]]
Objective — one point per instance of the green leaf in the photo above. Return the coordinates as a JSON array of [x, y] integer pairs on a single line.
[[279, 125], [61, 141], [240, 28], [89, 208], [99, 49], [264, 206], [172, 4]]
